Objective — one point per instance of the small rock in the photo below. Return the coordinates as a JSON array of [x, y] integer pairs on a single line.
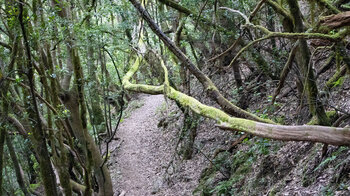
[[157, 185]]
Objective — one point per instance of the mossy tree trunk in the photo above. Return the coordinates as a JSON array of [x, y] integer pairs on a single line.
[[303, 59], [2, 141], [94, 85], [61, 159], [75, 102], [189, 130], [91, 150], [189, 127], [46, 170], [18, 169]]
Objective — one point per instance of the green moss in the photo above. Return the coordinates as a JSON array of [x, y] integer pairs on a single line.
[[336, 80], [332, 116], [211, 87], [242, 124]]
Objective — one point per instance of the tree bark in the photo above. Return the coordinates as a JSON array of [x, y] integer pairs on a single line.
[[94, 85], [46, 169], [17, 166], [2, 141], [303, 58], [336, 21], [102, 174]]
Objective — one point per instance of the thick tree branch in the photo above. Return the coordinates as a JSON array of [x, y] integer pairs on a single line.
[[323, 134], [280, 10], [177, 6], [336, 21], [208, 85]]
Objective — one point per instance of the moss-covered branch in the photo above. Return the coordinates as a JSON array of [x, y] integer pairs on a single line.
[[329, 6], [280, 10], [208, 85], [328, 135], [335, 37]]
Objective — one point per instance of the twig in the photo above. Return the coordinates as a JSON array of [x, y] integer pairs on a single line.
[[285, 71], [121, 109], [237, 12], [235, 143], [227, 50], [211, 162], [256, 9], [340, 119], [199, 15]]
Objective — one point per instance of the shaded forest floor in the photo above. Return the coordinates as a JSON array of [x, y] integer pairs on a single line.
[[136, 164], [143, 159]]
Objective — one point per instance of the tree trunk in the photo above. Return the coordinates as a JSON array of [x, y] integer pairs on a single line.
[[2, 141], [46, 170], [303, 58], [17, 166], [75, 102], [61, 161], [94, 85], [102, 174], [190, 132]]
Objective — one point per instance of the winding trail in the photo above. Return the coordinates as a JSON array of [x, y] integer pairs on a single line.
[[135, 165]]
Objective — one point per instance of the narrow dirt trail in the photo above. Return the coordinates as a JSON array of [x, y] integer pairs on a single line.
[[135, 165]]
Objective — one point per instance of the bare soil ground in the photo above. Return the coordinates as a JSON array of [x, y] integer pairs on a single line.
[[135, 166], [143, 158]]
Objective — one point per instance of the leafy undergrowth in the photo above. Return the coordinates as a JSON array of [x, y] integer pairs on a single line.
[[263, 167]]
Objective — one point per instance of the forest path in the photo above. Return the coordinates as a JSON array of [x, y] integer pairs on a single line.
[[135, 164]]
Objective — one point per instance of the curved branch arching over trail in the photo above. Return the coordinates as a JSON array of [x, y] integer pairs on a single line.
[[323, 134]]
